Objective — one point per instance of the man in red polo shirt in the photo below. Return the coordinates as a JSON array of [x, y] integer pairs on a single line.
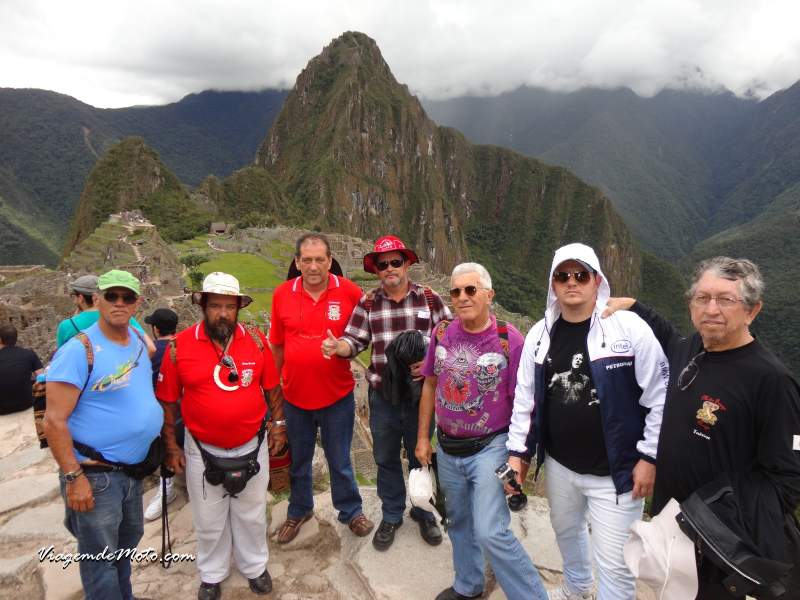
[[223, 371], [318, 391]]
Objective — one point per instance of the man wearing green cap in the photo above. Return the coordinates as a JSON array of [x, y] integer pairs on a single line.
[[82, 291], [110, 408]]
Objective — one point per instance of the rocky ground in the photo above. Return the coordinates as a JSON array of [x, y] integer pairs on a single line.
[[325, 562]]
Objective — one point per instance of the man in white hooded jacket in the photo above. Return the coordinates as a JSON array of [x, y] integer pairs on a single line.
[[600, 437]]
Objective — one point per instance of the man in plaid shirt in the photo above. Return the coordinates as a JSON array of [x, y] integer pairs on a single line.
[[396, 306]]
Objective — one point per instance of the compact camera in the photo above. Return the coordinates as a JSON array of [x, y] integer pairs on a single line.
[[518, 499]]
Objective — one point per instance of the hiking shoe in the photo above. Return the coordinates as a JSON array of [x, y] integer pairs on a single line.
[[562, 593], [451, 594], [384, 535], [209, 591], [153, 510], [291, 527], [428, 529], [360, 525], [261, 584]]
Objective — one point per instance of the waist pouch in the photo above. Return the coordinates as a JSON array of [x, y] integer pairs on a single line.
[[232, 473], [140, 470], [465, 446]]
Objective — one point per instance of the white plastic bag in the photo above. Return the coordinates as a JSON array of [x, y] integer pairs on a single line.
[[422, 489]]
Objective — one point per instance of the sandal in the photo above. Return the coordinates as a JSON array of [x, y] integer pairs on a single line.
[[291, 527]]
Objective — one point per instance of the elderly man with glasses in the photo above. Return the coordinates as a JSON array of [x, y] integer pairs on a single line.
[[470, 375], [100, 405], [598, 428], [396, 306], [732, 416]]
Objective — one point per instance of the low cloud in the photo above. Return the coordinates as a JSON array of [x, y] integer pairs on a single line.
[[146, 52]]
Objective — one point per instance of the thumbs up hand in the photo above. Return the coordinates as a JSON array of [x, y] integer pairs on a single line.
[[329, 345]]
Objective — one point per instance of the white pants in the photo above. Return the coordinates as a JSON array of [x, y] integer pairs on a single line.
[[574, 497], [226, 525]]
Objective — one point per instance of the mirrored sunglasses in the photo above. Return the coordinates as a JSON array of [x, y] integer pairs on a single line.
[[582, 277]]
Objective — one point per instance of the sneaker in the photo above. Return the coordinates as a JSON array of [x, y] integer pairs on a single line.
[[153, 510], [562, 593], [451, 594]]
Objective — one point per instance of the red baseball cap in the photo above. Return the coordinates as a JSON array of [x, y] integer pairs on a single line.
[[388, 243]]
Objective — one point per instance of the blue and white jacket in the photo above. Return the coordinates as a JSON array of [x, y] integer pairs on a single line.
[[629, 370]]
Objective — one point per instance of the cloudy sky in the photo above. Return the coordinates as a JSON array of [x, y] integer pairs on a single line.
[[121, 52]]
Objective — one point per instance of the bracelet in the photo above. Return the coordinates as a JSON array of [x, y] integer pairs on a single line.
[[281, 423]]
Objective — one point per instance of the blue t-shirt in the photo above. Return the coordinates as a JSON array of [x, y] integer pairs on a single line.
[[117, 413]]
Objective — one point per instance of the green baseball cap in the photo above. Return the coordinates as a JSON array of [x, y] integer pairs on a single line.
[[116, 278]]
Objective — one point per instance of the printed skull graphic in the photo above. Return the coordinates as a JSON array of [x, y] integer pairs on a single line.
[[487, 371]]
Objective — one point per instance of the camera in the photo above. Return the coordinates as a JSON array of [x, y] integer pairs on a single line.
[[518, 499]]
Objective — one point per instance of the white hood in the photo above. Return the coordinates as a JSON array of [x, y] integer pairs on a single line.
[[586, 255]]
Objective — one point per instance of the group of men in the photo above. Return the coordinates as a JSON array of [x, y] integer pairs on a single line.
[[612, 403]]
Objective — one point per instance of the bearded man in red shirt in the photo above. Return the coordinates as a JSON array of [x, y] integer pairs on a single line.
[[223, 372]]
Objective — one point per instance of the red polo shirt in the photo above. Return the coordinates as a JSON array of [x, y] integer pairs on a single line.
[[215, 410], [299, 324]]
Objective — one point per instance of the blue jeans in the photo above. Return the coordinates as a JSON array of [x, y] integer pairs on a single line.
[[335, 423], [117, 523], [479, 525], [574, 497], [392, 425]]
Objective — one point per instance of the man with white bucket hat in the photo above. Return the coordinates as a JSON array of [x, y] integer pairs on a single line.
[[222, 371]]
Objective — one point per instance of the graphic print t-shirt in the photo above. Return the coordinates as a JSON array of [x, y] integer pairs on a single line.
[[573, 426], [476, 381], [117, 414]]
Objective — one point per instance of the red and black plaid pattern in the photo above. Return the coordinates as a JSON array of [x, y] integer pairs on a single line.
[[386, 319]]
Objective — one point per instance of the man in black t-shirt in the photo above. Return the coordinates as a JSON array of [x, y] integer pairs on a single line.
[[18, 368]]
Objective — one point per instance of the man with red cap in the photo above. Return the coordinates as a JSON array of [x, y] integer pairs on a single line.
[[397, 305]]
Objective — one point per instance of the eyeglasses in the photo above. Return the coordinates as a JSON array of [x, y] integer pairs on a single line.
[[689, 373], [703, 300], [582, 277], [396, 263], [127, 297], [227, 362], [470, 290]]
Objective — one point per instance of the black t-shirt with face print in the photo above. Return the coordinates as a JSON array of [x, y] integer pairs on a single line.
[[573, 426]]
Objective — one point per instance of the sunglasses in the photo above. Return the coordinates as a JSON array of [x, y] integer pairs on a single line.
[[689, 373], [227, 362], [395, 263], [469, 290], [582, 277], [127, 297]]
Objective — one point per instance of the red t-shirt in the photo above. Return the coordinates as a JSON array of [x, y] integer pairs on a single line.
[[299, 324], [215, 410]]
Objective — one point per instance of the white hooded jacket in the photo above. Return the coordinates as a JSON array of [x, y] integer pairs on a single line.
[[629, 371]]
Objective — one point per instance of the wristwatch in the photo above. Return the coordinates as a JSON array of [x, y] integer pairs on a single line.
[[281, 423], [73, 475]]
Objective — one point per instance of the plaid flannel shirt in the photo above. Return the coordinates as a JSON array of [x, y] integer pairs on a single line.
[[386, 320]]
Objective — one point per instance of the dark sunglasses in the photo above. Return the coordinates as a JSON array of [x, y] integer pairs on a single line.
[[396, 263], [582, 277], [470, 290], [227, 362], [127, 297], [689, 373]]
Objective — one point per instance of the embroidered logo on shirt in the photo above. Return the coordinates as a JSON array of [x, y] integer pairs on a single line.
[[247, 377], [705, 415], [620, 346], [334, 312]]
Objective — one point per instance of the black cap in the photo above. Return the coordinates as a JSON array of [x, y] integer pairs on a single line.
[[164, 319]]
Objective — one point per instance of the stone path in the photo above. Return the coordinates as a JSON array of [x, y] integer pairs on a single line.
[[325, 562]]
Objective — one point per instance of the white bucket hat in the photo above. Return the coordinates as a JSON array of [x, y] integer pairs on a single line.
[[661, 556], [221, 283]]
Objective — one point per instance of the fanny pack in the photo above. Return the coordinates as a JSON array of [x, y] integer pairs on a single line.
[[234, 472], [465, 446], [140, 470]]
